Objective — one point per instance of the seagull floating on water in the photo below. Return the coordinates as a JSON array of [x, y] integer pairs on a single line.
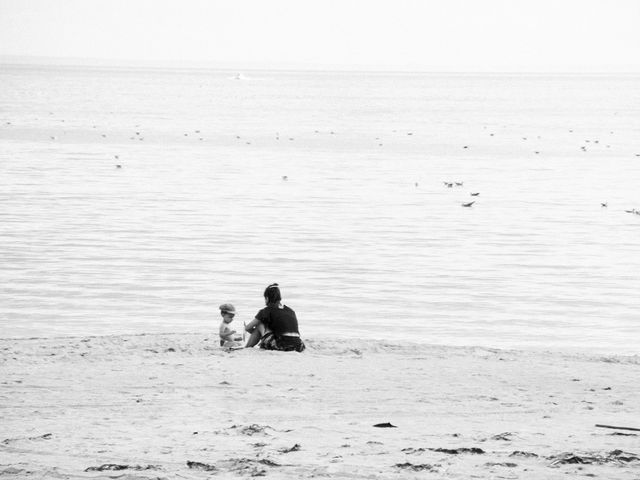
[[468, 204]]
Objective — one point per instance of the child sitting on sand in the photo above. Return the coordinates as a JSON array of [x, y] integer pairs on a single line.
[[227, 336]]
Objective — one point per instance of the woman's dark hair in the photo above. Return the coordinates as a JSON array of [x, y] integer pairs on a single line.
[[272, 293]]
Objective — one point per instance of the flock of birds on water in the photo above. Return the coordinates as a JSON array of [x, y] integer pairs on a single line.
[[137, 135]]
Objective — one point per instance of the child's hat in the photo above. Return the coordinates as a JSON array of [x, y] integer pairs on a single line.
[[227, 308]]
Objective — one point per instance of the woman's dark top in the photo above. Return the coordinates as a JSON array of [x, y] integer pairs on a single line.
[[279, 319]]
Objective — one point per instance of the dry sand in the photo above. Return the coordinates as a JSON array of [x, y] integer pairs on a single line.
[[177, 406]]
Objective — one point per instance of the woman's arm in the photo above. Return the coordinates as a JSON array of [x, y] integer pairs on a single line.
[[256, 328], [250, 327]]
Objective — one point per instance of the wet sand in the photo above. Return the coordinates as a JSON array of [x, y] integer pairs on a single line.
[[177, 406]]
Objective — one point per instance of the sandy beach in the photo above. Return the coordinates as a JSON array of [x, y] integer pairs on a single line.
[[445, 194], [177, 406]]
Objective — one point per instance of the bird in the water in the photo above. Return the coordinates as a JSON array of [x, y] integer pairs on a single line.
[[459, 184], [468, 204], [475, 194], [118, 166], [285, 178]]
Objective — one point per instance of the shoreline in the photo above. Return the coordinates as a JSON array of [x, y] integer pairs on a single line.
[[348, 343], [176, 405]]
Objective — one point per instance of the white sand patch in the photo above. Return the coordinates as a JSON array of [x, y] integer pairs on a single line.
[[176, 406]]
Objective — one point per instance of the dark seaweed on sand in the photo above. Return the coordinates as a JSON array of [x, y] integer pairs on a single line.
[[116, 467], [201, 466], [456, 451], [416, 467]]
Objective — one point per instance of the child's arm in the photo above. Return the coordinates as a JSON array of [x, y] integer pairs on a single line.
[[226, 333]]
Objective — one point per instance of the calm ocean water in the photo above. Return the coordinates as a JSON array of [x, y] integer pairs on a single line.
[[363, 235]]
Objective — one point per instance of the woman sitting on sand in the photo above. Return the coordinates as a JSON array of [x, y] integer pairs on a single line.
[[276, 325]]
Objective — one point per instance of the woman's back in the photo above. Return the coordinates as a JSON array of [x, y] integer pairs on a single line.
[[280, 319]]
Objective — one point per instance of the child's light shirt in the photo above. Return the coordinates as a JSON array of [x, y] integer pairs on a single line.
[[224, 330]]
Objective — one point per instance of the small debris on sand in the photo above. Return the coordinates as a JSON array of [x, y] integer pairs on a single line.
[[46, 436], [115, 467], [505, 437], [417, 467], [519, 453], [295, 448], [411, 450], [201, 466], [385, 425], [615, 456], [456, 451], [252, 429]]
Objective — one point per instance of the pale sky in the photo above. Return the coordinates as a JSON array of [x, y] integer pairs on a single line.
[[438, 35]]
